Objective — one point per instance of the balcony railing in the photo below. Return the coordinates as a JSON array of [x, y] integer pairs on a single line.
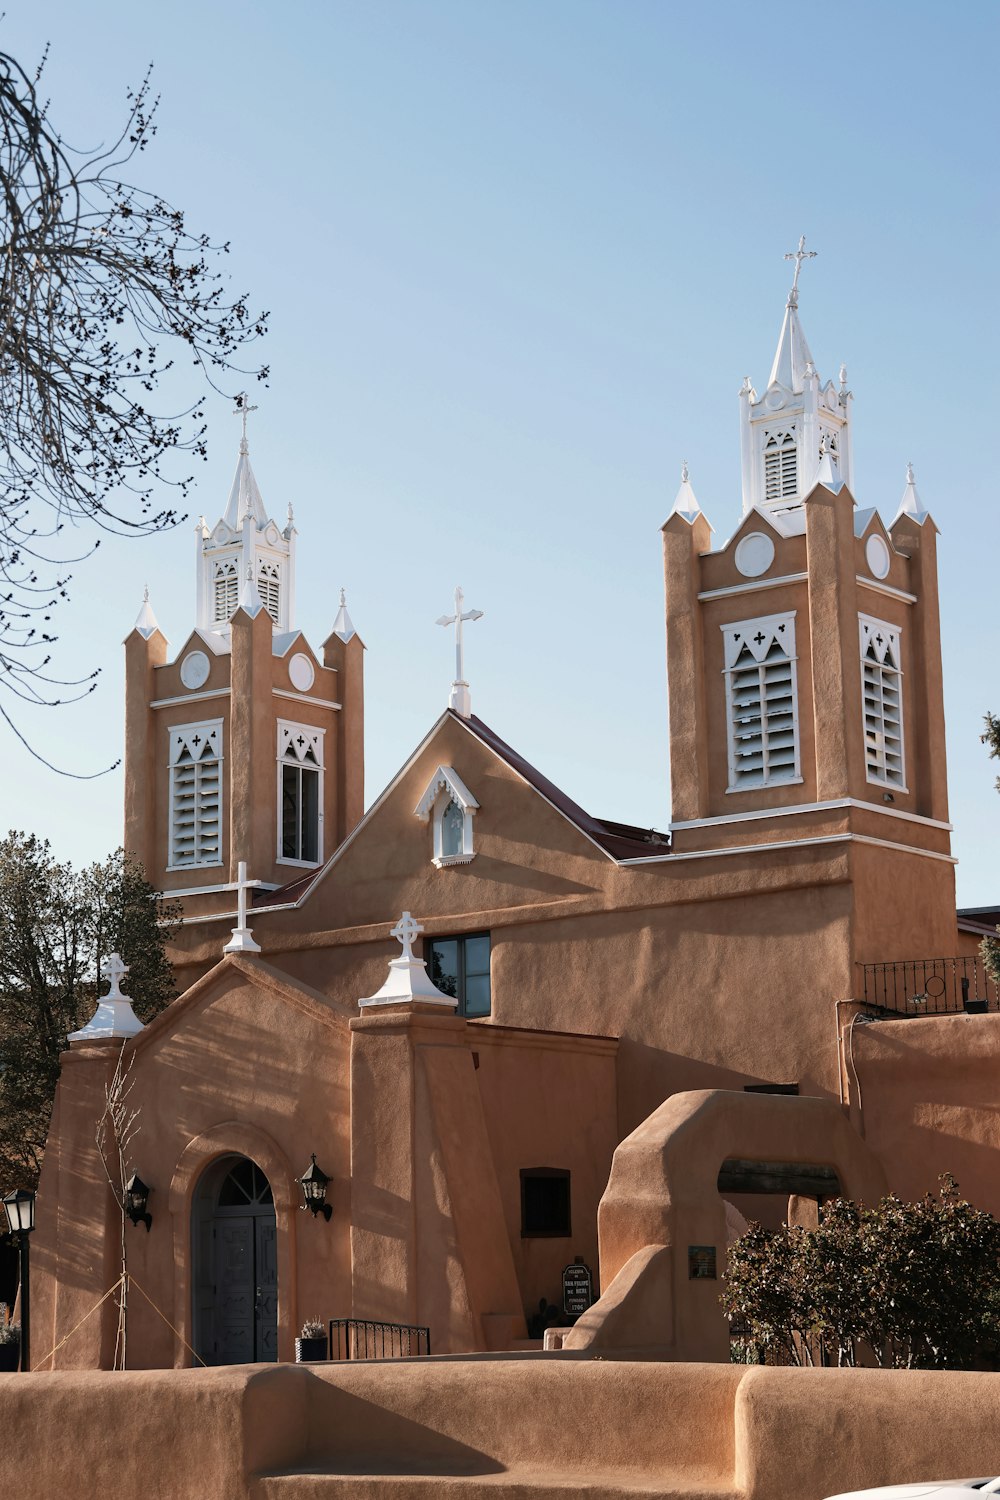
[[357, 1338], [929, 987]]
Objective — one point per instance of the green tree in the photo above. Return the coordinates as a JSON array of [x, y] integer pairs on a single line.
[[909, 1285], [57, 928]]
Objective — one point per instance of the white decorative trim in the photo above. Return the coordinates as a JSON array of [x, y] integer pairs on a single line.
[[408, 981], [885, 588], [750, 588], [806, 807], [444, 788], [185, 698], [216, 890], [303, 698], [778, 844]]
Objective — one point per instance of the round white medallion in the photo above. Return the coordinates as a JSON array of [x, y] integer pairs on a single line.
[[301, 672], [877, 556], [755, 554], [195, 669]]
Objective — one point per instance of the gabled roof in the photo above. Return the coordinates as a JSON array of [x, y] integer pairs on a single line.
[[619, 841]]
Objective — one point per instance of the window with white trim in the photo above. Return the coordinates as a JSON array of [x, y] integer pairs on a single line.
[[761, 702], [882, 701], [781, 475], [195, 800], [269, 586], [300, 793], [226, 589]]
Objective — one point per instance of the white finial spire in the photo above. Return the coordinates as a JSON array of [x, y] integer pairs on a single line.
[[408, 980], [828, 471], [145, 620], [798, 256], [686, 504], [911, 505], [242, 940], [114, 1016], [461, 698], [343, 625], [250, 601], [243, 409]]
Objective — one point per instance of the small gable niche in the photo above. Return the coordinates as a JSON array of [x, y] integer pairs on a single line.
[[449, 806]]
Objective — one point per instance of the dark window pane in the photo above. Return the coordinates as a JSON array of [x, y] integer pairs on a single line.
[[443, 966], [310, 815], [545, 1204], [289, 812], [477, 994], [477, 955]]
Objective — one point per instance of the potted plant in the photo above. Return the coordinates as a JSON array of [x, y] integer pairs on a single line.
[[312, 1342], [10, 1345]]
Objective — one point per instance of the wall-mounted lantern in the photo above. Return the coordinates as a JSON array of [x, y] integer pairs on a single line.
[[136, 1198], [313, 1183], [20, 1206]]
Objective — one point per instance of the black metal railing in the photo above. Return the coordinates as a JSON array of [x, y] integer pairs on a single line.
[[361, 1338], [929, 987]]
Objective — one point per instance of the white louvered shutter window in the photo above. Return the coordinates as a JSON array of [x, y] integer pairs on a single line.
[[761, 704], [268, 587], [780, 466], [196, 794], [227, 590], [882, 701]]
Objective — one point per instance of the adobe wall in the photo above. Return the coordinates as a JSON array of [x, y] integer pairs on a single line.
[[516, 1425], [927, 1102]]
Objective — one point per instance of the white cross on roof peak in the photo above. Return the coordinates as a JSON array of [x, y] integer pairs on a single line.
[[405, 930]]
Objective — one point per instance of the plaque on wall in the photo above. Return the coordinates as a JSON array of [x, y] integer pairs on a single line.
[[577, 1288], [701, 1263]]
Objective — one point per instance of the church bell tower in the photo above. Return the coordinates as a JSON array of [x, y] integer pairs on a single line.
[[248, 744]]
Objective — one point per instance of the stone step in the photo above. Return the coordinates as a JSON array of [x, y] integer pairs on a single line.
[[507, 1484]]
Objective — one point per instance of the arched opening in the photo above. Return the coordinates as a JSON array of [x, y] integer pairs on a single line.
[[235, 1282]]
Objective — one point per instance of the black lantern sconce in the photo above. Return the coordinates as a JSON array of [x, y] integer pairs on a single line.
[[20, 1207], [313, 1183], [136, 1198]]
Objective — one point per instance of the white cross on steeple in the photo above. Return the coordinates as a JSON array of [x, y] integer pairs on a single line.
[[798, 256], [243, 409], [461, 699]]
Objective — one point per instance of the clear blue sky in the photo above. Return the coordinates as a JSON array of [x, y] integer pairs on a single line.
[[519, 257]]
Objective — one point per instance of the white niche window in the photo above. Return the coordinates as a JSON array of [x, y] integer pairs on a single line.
[[882, 702], [269, 587], [300, 793], [450, 807], [761, 702], [195, 803], [781, 477]]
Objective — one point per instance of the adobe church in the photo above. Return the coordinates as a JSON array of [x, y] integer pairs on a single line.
[[462, 1002]]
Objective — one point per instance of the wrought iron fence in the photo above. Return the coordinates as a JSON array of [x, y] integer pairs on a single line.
[[361, 1338], [929, 986]]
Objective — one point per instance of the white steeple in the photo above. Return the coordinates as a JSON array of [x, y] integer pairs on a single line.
[[145, 620], [911, 505], [686, 504], [786, 431], [245, 539], [343, 625]]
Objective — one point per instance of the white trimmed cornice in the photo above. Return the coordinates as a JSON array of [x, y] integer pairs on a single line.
[[886, 588], [753, 587], [808, 807], [222, 692]]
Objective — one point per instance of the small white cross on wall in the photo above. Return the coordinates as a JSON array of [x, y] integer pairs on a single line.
[[405, 930], [114, 971], [461, 699]]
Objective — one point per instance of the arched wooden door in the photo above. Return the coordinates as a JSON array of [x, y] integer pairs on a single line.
[[235, 1278]]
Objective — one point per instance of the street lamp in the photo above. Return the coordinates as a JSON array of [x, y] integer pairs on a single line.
[[136, 1198], [20, 1206], [313, 1183]]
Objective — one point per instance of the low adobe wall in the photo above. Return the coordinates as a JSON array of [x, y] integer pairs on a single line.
[[475, 1425]]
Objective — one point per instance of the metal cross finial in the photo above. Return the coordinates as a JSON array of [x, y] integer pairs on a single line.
[[460, 699], [114, 972], [798, 256], [243, 409], [405, 930]]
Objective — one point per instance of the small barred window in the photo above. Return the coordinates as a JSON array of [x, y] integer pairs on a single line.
[[882, 701], [268, 587], [780, 466], [761, 704], [226, 590], [196, 794]]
